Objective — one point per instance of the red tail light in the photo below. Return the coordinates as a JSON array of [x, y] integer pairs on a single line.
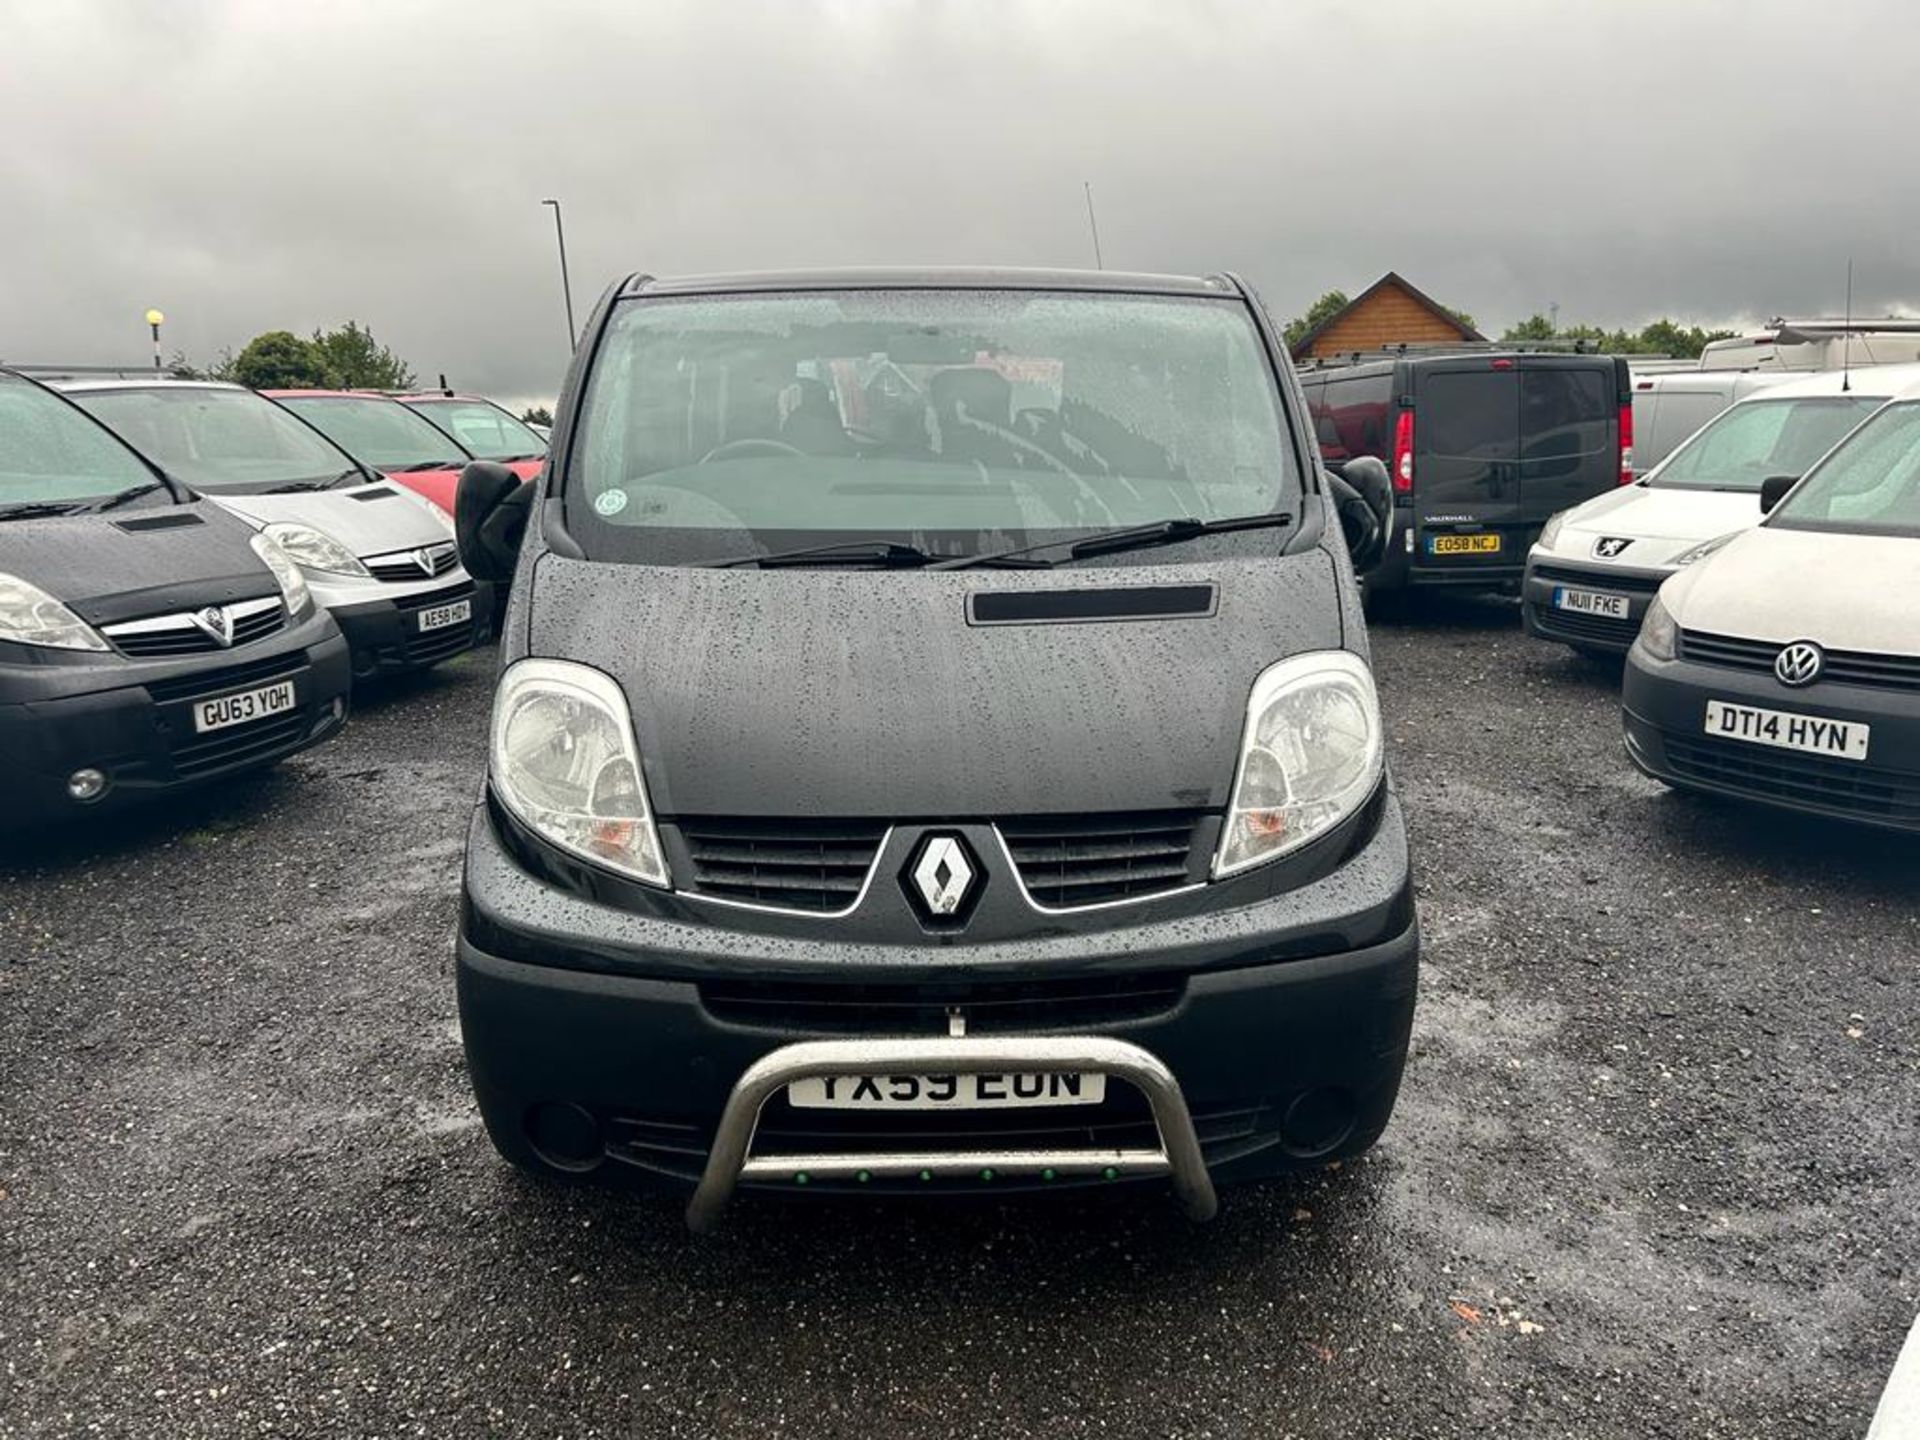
[[1626, 443], [1403, 452]]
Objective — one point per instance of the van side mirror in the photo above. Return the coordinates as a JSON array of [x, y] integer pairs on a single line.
[[1774, 489], [490, 518], [1363, 495]]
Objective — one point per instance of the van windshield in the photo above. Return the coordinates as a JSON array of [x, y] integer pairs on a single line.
[[1869, 486], [1757, 439], [483, 428], [957, 421], [383, 433], [52, 454], [219, 440]]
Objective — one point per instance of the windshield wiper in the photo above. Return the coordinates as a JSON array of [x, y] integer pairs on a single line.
[[296, 486], [1171, 531], [132, 492], [35, 509], [888, 553], [420, 465], [880, 552]]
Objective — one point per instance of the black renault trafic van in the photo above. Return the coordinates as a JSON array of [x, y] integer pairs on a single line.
[[149, 641], [1482, 448], [935, 749]]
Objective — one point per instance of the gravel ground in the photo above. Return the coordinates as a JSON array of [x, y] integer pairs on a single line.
[[1652, 1174]]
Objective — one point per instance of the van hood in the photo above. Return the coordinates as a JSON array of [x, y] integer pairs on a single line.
[[367, 519], [855, 693], [1846, 592], [1647, 512], [129, 563]]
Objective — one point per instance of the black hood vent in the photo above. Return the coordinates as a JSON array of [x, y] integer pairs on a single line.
[[1070, 607], [164, 520], [374, 492]]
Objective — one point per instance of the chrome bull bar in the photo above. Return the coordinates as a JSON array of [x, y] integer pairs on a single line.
[[730, 1161]]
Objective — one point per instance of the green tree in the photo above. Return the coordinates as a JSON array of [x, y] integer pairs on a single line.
[[537, 415], [354, 360], [280, 360], [1462, 318], [1661, 337], [1328, 305]]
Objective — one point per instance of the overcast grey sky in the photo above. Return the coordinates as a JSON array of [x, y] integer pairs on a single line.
[[255, 164]]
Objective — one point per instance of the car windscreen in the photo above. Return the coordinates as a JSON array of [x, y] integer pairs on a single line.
[[51, 453], [954, 420], [1870, 485], [218, 439], [483, 428], [383, 433], [1757, 439]]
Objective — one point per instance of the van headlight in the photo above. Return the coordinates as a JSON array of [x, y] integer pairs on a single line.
[[313, 549], [1310, 756], [293, 585], [1702, 550], [1659, 635], [30, 616], [565, 763], [1550, 532]]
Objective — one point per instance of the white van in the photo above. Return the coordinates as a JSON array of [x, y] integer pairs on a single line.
[[1669, 407]]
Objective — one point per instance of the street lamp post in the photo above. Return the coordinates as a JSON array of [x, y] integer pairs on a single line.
[[566, 285], [154, 320]]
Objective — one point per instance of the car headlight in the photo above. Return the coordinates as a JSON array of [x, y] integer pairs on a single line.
[[293, 585], [564, 761], [1702, 550], [1309, 757], [1550, 532], [30, 616], [313, 549], [1659, 635]]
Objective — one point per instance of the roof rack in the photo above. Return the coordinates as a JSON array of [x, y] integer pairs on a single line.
[[1344, 358], [118, 372], [1799, 331]]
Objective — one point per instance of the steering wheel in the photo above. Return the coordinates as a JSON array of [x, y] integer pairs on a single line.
[[752, 445]]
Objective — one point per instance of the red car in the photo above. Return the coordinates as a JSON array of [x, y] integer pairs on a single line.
[[487, 430], [379, 431]]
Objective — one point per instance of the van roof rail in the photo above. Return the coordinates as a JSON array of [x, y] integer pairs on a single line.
[[1819, 329], [120, 372], [1345, 358]]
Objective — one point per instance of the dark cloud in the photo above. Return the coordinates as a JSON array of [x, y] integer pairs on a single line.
[[247, 166]]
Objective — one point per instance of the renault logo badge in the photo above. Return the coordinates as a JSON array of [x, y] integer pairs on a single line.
[[943, 875], [216, 623], [1799, 664]]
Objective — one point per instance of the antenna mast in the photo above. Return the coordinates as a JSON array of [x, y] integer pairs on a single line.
[[1093, 224], [1846, 338]]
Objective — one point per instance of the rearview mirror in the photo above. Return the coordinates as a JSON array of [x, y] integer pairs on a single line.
[[1363, 495], [1774, 489], [490, 518]]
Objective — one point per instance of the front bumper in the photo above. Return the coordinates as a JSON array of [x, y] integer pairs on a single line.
[[601, 1040], [1548, 573], [383, 629], [134, 722], [1665, 704]]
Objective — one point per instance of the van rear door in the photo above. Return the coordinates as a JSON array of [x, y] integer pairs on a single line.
[[1569, 438], [1466, 473]]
